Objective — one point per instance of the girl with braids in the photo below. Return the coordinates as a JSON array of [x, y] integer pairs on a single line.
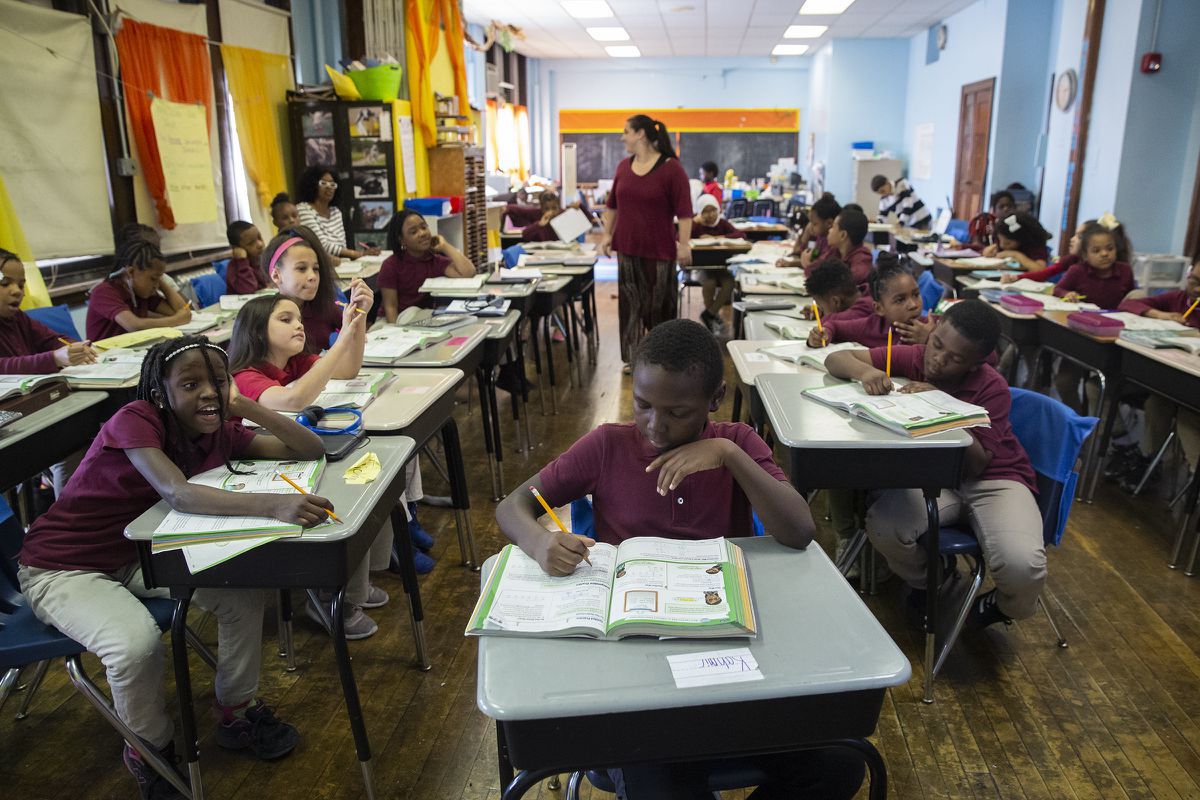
[[81, 575], [136, 295], [649, 190], [301, 269], [897, 306]]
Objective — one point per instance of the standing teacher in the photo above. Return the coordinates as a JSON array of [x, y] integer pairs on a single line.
[[650, 190]]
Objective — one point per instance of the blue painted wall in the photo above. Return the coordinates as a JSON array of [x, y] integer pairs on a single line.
[[1024, 96]]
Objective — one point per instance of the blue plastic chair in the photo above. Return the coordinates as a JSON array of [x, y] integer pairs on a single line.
[[512, 255], [959, 229], [221, 268], [208, 289], [56, 318], [1052, 435], [931, 289]]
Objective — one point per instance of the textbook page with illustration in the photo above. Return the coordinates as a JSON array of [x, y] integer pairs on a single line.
[[916, 414], [647, 586], [356, 392], [801, 353]]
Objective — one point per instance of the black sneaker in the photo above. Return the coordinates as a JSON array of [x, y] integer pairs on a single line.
[[986, 611], [1121, 461], [710, 320], [151, 785], [261, 731], [1133, 475]]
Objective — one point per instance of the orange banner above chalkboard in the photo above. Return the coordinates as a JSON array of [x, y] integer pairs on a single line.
[[682, 120]]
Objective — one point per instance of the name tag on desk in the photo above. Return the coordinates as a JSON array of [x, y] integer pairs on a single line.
[[736, 665]]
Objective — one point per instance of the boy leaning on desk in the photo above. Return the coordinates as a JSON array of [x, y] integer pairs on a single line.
[[674, 473]]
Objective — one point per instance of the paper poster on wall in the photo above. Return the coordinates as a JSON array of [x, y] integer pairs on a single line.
[[181, 131], [922, 162], [408, 154]]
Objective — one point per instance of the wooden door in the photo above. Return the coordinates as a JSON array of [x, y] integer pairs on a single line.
[[974, 136]]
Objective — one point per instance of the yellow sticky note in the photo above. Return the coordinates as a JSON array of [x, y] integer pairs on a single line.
[[365, 470]]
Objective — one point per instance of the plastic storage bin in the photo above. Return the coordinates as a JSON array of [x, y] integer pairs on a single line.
[[429, 206], [1159, 270], [1094, 324], [378, 83], [1020, 304]]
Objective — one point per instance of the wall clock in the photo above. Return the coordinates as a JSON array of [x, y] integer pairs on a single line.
[[1064, 90]]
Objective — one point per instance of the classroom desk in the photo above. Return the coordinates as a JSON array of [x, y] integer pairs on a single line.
[[763, 231], [748, 364], [552, 294], [583, 287], [503, 341], [714, 256], [612, 704], [1093, 353], [750, 284], [755, 324], [47, 436], [368, 270], [519, 295], [828, 449], [1174, 375], [324, 558]]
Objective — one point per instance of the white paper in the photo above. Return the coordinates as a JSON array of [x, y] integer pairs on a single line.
[[202, 556], [922, 161], [571, 224], [569, 189], [407, 154], [1133, 322], [200, 321], [712, 667], [753, 358], [457, 284], [234, 302]]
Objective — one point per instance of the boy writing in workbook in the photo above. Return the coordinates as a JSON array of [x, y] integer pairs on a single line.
[[674, 473], [996, 497]]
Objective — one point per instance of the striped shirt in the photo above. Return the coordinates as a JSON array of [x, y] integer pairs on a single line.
[[909, 209], [329, 230]]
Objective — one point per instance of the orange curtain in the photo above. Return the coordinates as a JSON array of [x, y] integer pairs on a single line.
[[454, 44], [424, 36], [172, 65]]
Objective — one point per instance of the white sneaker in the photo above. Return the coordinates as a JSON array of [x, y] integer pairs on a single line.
[[359, 626], [376, 598]]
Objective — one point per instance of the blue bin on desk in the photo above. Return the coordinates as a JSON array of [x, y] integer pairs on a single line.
[[429, 206]]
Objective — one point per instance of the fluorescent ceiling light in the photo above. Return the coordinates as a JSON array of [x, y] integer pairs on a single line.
[[789, 50], [623, 51], [586, 9], [825, 6], [616, 34], [804, 31]]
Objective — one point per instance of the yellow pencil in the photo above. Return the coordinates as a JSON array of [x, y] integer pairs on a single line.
[[1191, 308], [187, 305], [889, 353], [67, 342], [817, 314], [357, 310], [301, 490], [554, 516]]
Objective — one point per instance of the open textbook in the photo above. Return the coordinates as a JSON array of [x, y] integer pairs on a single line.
[[917, 414], [389, 342], [801, 353], [645, 587], [357, 392]]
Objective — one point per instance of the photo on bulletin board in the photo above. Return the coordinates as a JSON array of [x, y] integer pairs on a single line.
[[320, 151], [374, 238], [317, 123], [370, 122], [368, 153], [371, 183], [374, 216]]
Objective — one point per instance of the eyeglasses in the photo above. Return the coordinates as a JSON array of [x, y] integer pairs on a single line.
[[328, 184]]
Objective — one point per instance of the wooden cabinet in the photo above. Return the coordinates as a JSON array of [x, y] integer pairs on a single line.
[[460, 171]]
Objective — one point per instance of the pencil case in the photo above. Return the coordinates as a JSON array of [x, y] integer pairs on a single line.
[[1094, 324], [1020, 304]]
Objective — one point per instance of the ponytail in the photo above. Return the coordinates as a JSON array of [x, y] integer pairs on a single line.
[[656, 133]]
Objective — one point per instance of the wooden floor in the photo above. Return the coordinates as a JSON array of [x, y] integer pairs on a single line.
[[1115, 715]]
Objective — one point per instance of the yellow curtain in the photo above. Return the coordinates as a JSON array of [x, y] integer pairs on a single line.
[[523, 144], [490, 148], [12, 238], [258, 83], [423, 36], [454, 48]]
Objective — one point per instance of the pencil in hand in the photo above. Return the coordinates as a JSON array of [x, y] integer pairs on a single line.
[[301, 490], [553, 516], [1191, 308], [357, 310]]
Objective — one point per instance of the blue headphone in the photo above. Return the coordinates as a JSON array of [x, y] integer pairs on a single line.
[[311, 418]]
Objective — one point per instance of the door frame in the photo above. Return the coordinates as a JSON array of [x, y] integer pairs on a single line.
[[971, 88]]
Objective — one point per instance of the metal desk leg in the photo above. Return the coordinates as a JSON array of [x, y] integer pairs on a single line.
[[504, 765], [494, 408], [526, 779], [573, 341], [550, 363], [402, 543], [1190, 518], [459, 496], [285, 628], [524, 391], [486, 422], [1110, 397], [183, 688], [933, 583], [876, 767], [537, 358], [515, 403], [595, 320], [341, 653]]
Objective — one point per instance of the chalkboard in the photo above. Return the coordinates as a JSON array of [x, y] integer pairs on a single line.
[[750, 154]]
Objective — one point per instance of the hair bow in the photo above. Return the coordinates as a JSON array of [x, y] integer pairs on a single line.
[[1011, 223], [1108, 221]]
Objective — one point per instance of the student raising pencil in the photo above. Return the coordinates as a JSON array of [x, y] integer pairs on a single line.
[[81, 575], [27, 347], [136, 295]]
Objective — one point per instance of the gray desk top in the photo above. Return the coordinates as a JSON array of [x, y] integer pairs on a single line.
[[510, 290], [802, 423], [554, 284], [446, 353], [755, 324], [351, 502], [563, 269], [13, 433], [750, 363], [835, 645], [749, 284], [406, 396], [1170, 356], [501, 327]]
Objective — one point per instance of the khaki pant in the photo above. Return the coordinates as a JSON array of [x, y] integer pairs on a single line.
[[103, 613], [1003, 516], [716, 287], [1159, 414]]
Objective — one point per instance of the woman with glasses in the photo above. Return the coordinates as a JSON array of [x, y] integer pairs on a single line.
[[319, 213]]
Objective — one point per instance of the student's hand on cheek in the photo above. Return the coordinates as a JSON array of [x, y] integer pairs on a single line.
[[916, 386], [916, 331], [237, 253], [237, 401], [675, 465], [878, 383], [559, 553]]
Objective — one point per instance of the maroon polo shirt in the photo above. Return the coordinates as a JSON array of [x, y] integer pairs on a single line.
[[404, 274], [84, 528], [1105, 291], [521, 215], [723, 228], [864, 306], [647, 206], [870, 330], [253, 381], [985, 387], [27, 346], [537, 232], [610, 464], [1176, 302], [108, 299], [319, 325], [242, 277], [860, 263]]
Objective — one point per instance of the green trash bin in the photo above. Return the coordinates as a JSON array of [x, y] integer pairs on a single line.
[[378, 83]]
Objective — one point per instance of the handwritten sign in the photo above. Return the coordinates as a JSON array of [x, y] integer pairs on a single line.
[[736, 665], [181, 131]]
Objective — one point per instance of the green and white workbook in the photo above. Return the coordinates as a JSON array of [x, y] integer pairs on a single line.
[[647, 586]]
